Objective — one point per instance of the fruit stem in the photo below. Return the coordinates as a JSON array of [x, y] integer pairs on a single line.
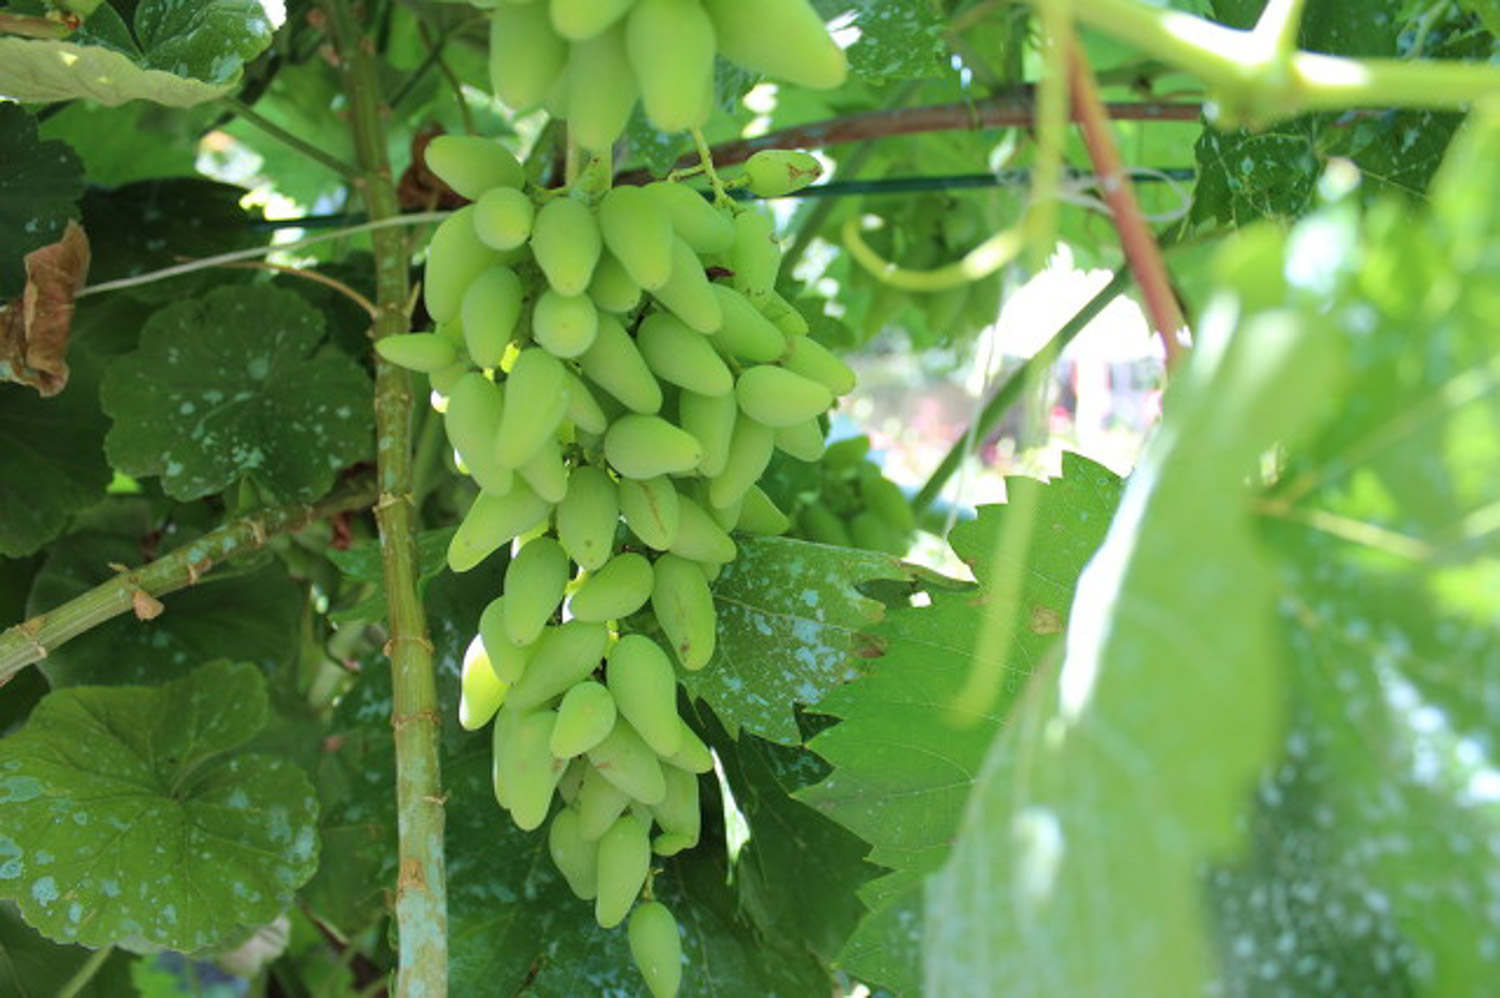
[[706, 159]]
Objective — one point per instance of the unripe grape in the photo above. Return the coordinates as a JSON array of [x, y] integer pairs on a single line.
[[756, 255], [637, 228], [625, 760], [526, 768], [613, 289], [572, 779], [507, 658], [490, 308], [563, 656], [646, 446], [699, 538], [775, 173], [566, 243], [803, 441], [693, 755], [564, 326], [679, 814], [614, 364], [710, 419], [575, 857], [677, 354], [526, 55], [503, 217], [811, 359], [624, 861], [534, 582], [687, 293], [536, 399], [472, 165], [727, 517], [868, 531], [500, 735], [671, 48], [583, 409], [656, 948], [781, 313], [759, 515], [821, 524], [585, 716], [455, 256], [886, 498], [601, 89], [846, 453], [587, 515], [480, 690], [684, 608], [616, 590], [700, 224], [650, 507], [781, 38], [472, 421], [600, 802], [778, 397], [640, 677], [745, 333], [749, 453], [425, 352], [580, 19], [492, 521]]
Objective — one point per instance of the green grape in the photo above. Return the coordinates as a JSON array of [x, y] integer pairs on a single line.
[[583, 409], [500, 736], [526, 55], [613, 289], [727, 517], [704, 227], [471, 421], [656, 948], [491, 306], [647, 446], [781, 38], [778, 397], [821, 524], [775, 173], [534, 582], [811, 359], [618, 589], [576, 857], [525, 767], [614, 364], [600, 802], [580, 19], [677, 354], [472, 165], [671, 48], [624, 861], [586, 517], [443, 380], [572, 779], [679, 815], [545, 472], [640, 676], [745, 333], [699, 538], [650, 508], [685, 610], [756, 255], [846, 453], [585, 716], [480, 690], [503, 217], [687, 293], [867, 530], [536, 399], [886, 498], [494, 520], [693, 756], [507, 658], [425, 352], [803, 441], [637, 228], [564, 326], [749, 453], [562, 656], [710, 419], [759, 514], [455, 256], [566, 244], [601, 89], [781, 313], [625, 760]]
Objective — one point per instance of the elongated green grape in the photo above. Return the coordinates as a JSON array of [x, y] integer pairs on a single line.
[[646, 446], [886, 498], [472, 422], [507, 658], [525, 767], [656, 948], [545, 472], [677, 354], [613, 289], [526, 55], [745, 333], [480, 690], [534, 582], [650, 508], [755, 256], [618, 589], [576, 857], [814, 361], [580, 19], [687, 293], [586, 517], [492, 521], [759, 515], [781, 313], [867, 530], [585, 716], [693, 755], [822, 525], [700, 224], [566, 244], [472, 165], [455, 256], [624, 860], [640, 677], [500, 735], [679, 815], [637, 228], [781, 38], [536, 399], [685, 610], [490, 308], [699, 538], [803, 441], [601, 89], [625, 760], [599, 803], [583, 409], [426, 352], [778, 397], [774, 173], [564, 326], [727, 517], [711, 419], [503, 217], [749, 453], [572, 779], [563, 656], [614, 364], [671, 49]]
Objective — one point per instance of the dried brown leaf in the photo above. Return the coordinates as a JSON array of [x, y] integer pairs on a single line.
[[34, 328]]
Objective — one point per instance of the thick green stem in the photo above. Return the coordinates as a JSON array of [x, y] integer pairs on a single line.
[[32, 640], [421, 891]]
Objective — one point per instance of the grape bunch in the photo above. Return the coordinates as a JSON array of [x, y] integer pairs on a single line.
[[588, 60], [615, 376], [843, 499]]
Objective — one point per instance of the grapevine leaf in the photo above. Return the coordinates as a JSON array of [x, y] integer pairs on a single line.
[[898, 39], [42, 70], [32, 966], [40, 183], [209, 40], [790, 630], [139, 141], [230, 386], [129, 822]]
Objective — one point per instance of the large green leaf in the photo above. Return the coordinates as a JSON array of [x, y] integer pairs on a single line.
[[129, 821], [40, 183], [206, 39], [232, 386], [897, 39], [42, 70]]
